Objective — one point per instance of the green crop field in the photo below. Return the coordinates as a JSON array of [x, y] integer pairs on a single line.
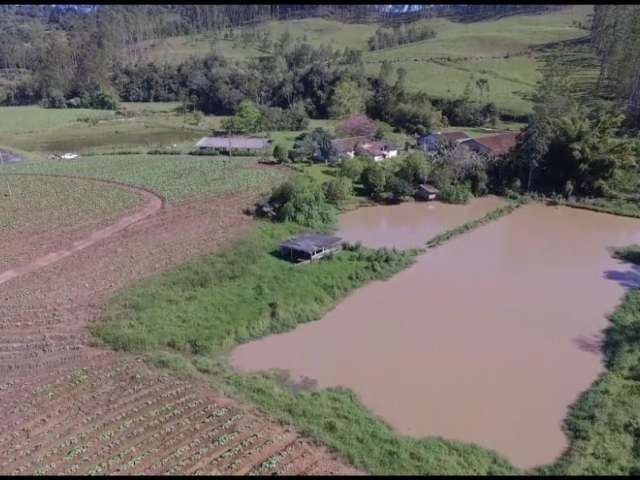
[[38, 201], [175, 176]]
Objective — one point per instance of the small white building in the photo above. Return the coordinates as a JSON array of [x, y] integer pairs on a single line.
[[378, 149]]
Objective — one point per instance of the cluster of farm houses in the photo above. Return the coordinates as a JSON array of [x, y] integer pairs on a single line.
[[310, 247]]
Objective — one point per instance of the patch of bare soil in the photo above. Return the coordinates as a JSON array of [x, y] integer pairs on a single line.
[[69, 407]]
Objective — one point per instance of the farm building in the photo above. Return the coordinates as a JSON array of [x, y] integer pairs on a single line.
[[495, 145], [377, 149], [236, 144], [431, 143], [309, 247], [427, 192], [380, 150], [347, 146]]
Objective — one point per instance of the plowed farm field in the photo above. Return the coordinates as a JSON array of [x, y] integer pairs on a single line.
[[70, 406], [128, 419]]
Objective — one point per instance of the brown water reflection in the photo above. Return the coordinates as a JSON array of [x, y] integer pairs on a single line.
[[409, 225], [486, 339]]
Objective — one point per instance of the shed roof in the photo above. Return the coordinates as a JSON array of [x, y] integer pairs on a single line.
[[428, 188], [251, 143], [454, 136], [344, 145], [379, 147], [311, 242], [499, 144]]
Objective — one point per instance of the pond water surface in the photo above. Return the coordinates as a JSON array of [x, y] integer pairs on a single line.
[[486, 339]]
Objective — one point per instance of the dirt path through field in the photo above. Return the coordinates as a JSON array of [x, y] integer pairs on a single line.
[[153, 203]]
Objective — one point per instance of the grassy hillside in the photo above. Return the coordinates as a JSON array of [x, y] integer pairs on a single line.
[[495, 49]]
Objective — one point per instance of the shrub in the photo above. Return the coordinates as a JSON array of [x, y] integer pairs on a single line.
[[455, 193], [414, 169], [399, 188], [302, 200], [352, 168], [338, 190], [281, 154], [374, 180]]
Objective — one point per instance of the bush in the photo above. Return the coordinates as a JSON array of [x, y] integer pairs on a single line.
[[302, 200], [338, 190], [455, 193], [414, 169], [400, 189], [281, 154], [374, 180], [293, 118], [352, 168]]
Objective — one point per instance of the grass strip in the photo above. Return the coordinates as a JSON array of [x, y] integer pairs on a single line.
[[623, 208], [473, 224]]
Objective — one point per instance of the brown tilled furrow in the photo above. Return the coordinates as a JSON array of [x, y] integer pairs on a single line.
[[211, 443], [268, 445], [203, 443], [269, 466], [299, 464], [148, 447], [86, 440], [51, 434], [88, 402], [38, 423], [180, 443], [249, 439], [67, 395], [21, 397], [234, 445], [18, 370], [125, 441], [128, 436]]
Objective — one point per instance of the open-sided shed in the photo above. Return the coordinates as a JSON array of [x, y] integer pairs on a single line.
[[310, 247]]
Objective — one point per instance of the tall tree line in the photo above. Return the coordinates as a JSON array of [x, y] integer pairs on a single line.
[[615, 34]]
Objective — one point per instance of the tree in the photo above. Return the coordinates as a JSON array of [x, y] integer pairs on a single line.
[[315, 145], [247, 119], [280, 153], [302, 200], [414, 169], [356, 126], [374, 180], [348, 99], [532, 146], [399, 188], [352, 168], [338, 190]]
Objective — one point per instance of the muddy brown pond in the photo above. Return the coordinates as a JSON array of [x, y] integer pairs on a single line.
[[486, 339]]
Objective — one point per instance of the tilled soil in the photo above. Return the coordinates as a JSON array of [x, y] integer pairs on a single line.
[[69, 407]]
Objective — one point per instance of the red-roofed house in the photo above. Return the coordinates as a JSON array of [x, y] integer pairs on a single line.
[[497, 145]]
